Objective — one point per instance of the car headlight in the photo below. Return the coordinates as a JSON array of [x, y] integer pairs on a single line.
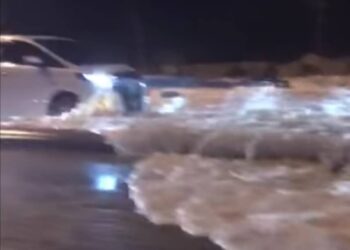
[[101, 80]]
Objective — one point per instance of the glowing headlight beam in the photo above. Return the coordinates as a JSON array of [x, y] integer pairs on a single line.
[[101, 80]]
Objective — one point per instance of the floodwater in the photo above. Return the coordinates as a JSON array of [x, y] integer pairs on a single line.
[[57, 199], [261, 169], [264, 170], [246, 204]]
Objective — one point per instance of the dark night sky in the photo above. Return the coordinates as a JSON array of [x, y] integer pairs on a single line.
[[191, 31]]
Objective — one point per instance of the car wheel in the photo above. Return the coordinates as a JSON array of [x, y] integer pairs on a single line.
[[62, 103]]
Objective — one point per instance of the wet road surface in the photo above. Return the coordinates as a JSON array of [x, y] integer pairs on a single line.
[[59, 199]]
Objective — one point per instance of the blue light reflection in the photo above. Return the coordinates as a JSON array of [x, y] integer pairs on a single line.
[[106, 177], [106, 182]]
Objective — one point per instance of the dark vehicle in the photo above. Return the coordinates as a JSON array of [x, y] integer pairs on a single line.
[[133, 92]]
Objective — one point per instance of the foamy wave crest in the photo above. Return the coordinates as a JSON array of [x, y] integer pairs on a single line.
[[245, 204]]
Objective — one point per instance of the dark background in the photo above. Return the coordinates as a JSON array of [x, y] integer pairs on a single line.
[[154, 31]]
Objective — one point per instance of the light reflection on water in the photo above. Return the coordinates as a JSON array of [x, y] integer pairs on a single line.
[[106, 182], [107, 177]]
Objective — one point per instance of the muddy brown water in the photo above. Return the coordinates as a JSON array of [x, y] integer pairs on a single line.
[[60, 200]]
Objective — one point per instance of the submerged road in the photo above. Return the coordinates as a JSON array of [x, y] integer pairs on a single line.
[[63, 190]]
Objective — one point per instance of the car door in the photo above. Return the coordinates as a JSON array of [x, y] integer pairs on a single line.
[[27, 79]]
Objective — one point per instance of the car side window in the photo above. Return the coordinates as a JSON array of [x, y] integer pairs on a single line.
[[16, 51]]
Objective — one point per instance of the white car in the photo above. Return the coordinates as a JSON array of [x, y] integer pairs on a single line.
[[41, 75]]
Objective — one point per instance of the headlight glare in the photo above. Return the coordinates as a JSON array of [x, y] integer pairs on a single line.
[[101, 80]]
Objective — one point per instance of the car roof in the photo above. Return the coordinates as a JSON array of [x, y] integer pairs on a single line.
[[33, 38]]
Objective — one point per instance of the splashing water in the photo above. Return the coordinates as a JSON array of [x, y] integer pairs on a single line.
[[262, 99], [251, 204], [338, 104], [283, 194], [289, 206]]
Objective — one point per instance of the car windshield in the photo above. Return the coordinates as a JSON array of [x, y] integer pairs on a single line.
[[69, 50]]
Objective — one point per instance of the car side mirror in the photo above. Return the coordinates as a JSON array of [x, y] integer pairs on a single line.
[[33, 60]]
